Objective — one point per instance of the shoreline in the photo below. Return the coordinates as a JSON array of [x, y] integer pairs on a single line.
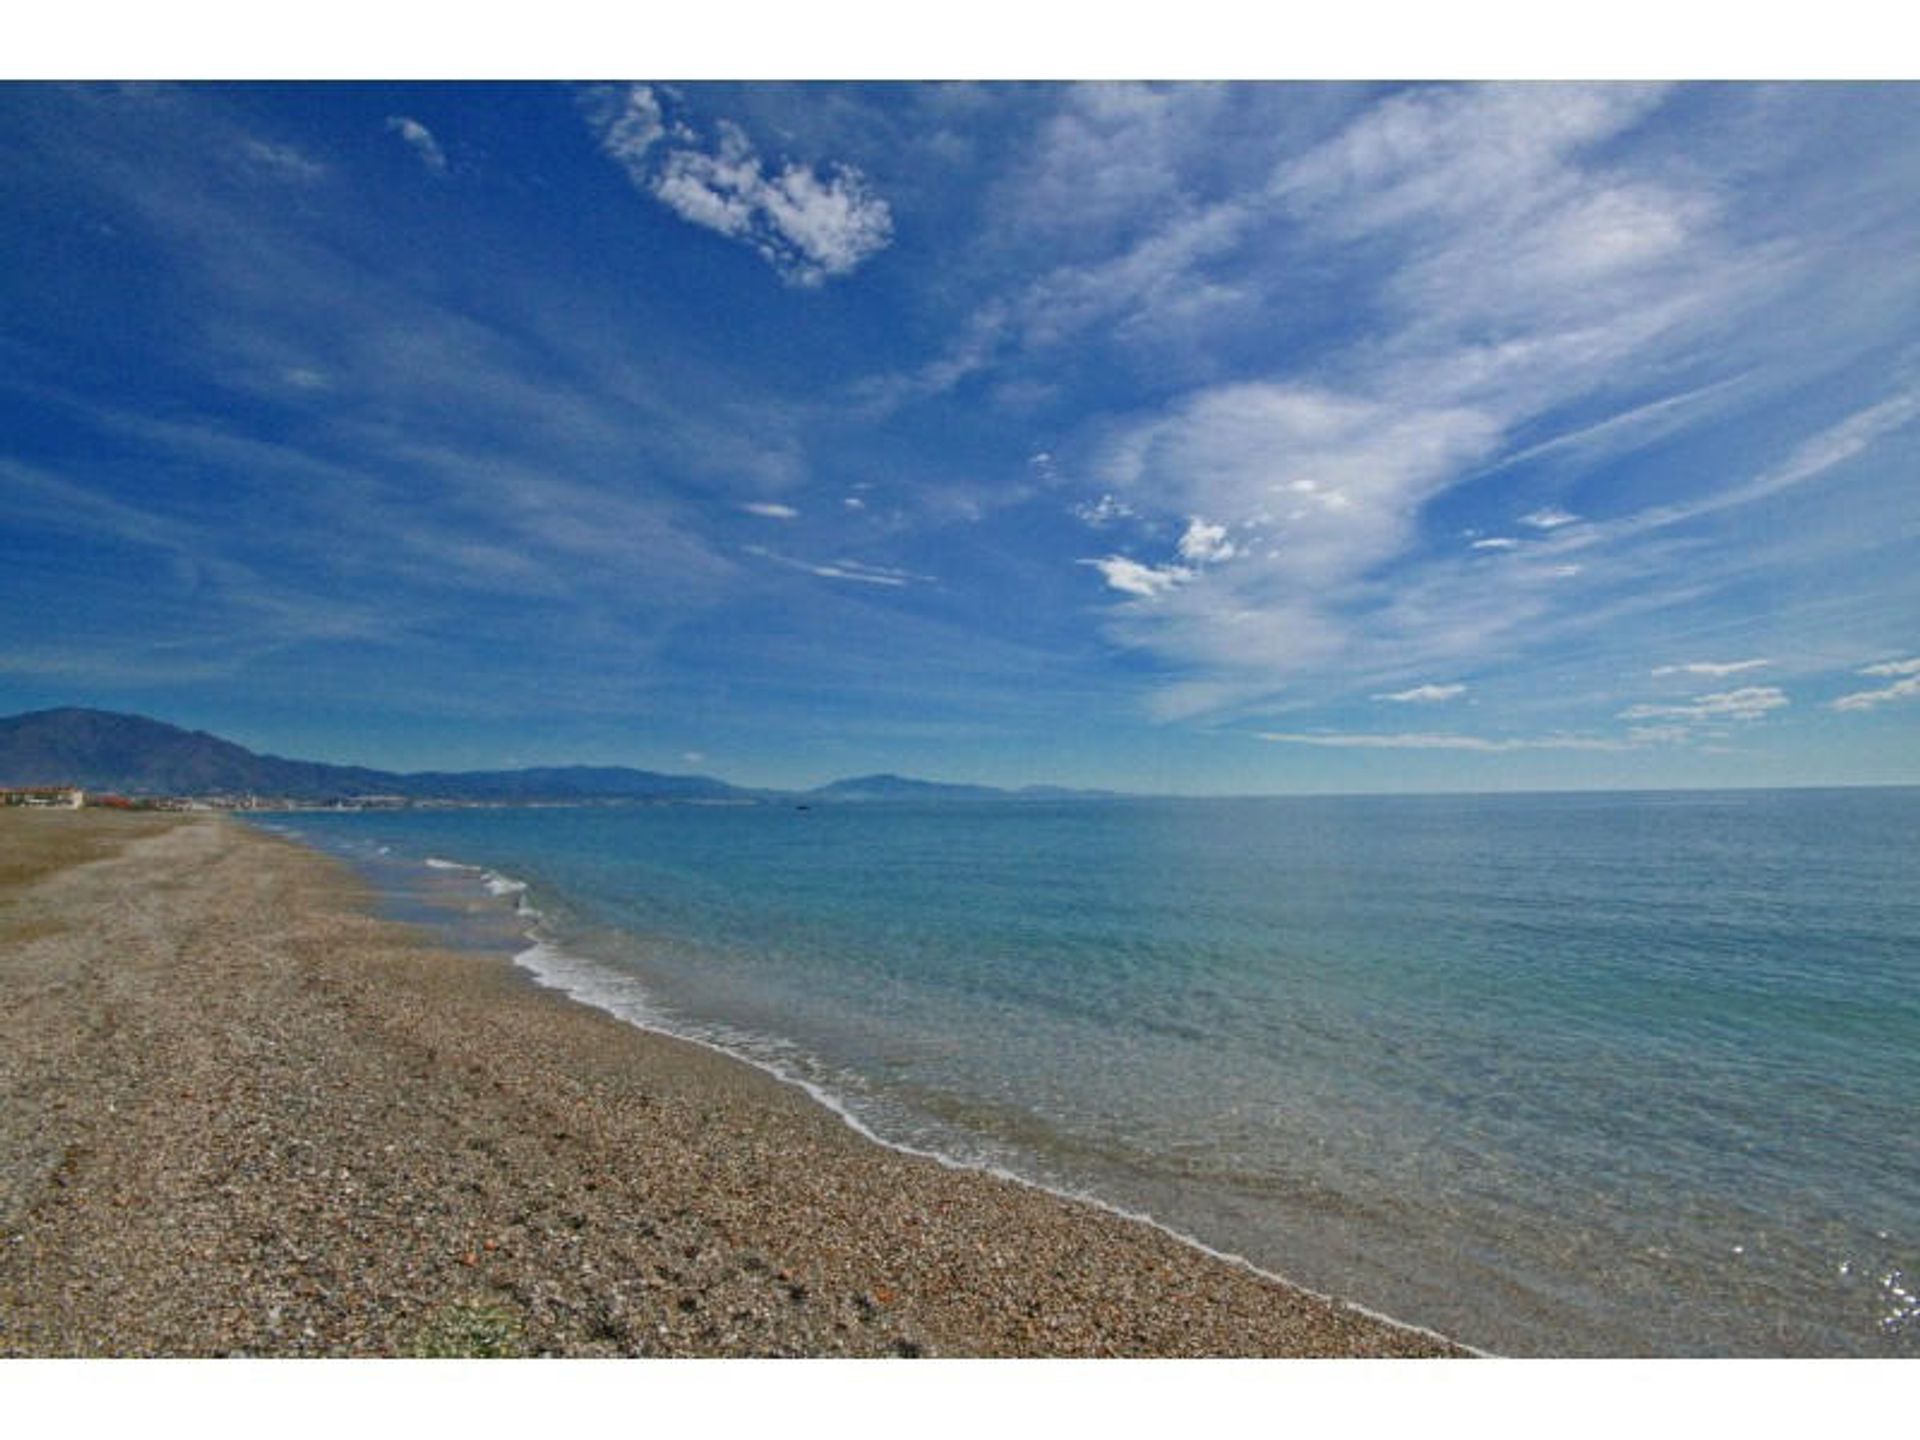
[[226, 1079], [543, 947]]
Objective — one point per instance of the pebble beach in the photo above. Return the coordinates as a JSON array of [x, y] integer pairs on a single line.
[[240, 1115]]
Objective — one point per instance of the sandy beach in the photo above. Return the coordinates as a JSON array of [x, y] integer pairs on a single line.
[[239, 1115]]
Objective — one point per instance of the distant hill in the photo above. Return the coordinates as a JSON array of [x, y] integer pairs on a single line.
[[102, 750], [902, 787], [135, 755]]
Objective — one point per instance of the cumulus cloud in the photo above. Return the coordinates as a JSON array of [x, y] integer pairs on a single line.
[[1424, 694], [1205, 544], [420, 140], [1132, 578], [1104, 512], [1905, 688], [1747, 703], [1316, 488], [770, 510], [1714, 669], [629, 124], [810, 225]]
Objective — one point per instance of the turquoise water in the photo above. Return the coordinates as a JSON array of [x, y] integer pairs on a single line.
[[1571, 1074]]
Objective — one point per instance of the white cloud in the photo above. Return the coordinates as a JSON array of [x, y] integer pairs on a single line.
[[1631, 429], [283, 161], [420, 139], [1316, 487], [1711, 668], [1551, 518], [1893, 667], [1517, 266], [1458, 150], [1748, 703], [1107, 153], [854, 502], [1832, 446], [810, 226], [770, 510], [1424, 694], [629, 124], [1205, 544], [1352, 741], [1841, 442], [1509, 274], [1903, 689], [1868, 699], [1660, 734], [1133, 578], [842, 569], [1104, 511]]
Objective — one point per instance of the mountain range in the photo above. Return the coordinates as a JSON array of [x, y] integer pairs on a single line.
[[137, 755]]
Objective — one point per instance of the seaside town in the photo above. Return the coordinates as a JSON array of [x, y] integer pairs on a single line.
[[74, 797]]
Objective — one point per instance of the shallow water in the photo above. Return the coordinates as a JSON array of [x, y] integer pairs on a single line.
[[1574, 1074]]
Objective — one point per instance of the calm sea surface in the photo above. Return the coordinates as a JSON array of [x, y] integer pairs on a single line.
[[1568, 1074]]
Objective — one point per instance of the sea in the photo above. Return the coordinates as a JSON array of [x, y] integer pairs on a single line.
[[1570, 1074]]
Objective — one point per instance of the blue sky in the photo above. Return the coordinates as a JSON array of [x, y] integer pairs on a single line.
[[1249, 438]]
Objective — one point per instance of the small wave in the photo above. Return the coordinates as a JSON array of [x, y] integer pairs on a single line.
[[621, 996], [624, 997]]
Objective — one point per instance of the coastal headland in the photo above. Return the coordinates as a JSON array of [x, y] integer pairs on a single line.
[[240, 1115]]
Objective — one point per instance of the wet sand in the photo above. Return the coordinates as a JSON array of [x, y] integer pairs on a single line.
[[241, 1116]]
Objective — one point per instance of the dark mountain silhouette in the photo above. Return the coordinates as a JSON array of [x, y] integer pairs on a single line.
[[102, 750], [135, 755]]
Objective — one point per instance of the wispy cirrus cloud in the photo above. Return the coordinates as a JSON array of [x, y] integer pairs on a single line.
[[1519, 262], [1551, 518], [1477, 743], [1315, 487], [1749, 702], [1906, 687], [1714, 669], [1424, 694], [858, 571], [811, 225], [420, 140], [280, 160], [1893, 667]]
